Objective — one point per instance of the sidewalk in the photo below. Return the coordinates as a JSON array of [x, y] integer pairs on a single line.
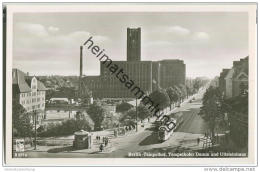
[[96, 143], [105, 133]]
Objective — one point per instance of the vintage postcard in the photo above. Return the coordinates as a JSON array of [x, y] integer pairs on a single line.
[[130, 84]]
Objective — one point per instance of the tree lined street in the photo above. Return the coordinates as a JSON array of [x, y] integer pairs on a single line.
[[146, 139]]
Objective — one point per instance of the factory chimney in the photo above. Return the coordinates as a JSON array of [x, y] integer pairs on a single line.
[[80, 70]]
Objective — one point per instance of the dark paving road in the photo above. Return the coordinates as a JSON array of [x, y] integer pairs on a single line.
[[192, 128]]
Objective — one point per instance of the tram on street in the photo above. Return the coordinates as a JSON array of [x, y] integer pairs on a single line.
[[165, 132]]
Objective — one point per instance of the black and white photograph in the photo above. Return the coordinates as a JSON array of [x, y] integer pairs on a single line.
[[130, 83]]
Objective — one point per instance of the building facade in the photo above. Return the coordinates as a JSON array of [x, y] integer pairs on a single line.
[[133, 44], [222, 81], [147, 75], [234, 81], [30, 93], [172, 72]]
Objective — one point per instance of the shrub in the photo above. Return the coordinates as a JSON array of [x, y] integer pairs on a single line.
[[67, 127]]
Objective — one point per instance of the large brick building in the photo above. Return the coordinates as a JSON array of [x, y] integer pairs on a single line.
[[147, 75]]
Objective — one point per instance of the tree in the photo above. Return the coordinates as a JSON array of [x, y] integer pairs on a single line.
[[173, 95], [196, 85], [199, 82], [129, 117], [123, 107], [183, 91], [178, 92], [211, 108], [143, 112], [49, 94], [21, 121], [97, 114], [161, 98], [84, 93], [67, 127], [111, 120]]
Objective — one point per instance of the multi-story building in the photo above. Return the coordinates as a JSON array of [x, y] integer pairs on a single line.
[[172, 72], [133, 44], [222, 81], [234, 86], [234, 81], [30, 93], [147, 75], [240, 77]]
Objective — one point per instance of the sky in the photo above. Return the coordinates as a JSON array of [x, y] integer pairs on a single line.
[[49, 43]]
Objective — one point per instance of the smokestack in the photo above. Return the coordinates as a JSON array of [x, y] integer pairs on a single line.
[[80, 70]]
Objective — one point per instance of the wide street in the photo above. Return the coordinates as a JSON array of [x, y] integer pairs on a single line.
[[184, 138]]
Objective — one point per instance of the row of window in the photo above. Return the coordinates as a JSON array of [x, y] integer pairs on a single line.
[[29, 101], [35, 107], [32, 94]]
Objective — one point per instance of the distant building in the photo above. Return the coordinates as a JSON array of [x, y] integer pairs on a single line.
[[133, 44], [234, 81], [229, 83], [147, 75], [30, 93], [59, 101], [240, 77], [171, 72]]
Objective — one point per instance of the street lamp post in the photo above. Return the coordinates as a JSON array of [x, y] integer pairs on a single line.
[[136, 114], [35, 130]]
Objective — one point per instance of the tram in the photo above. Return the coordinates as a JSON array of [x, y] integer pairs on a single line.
[[164, 132]]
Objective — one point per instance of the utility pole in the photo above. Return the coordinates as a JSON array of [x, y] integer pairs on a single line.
[[69, 110], [35, 130], [136, 115], [80, 71]]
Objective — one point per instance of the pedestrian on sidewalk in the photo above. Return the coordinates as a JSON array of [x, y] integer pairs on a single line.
[[106, 141], [198, 141], [101, 147]]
